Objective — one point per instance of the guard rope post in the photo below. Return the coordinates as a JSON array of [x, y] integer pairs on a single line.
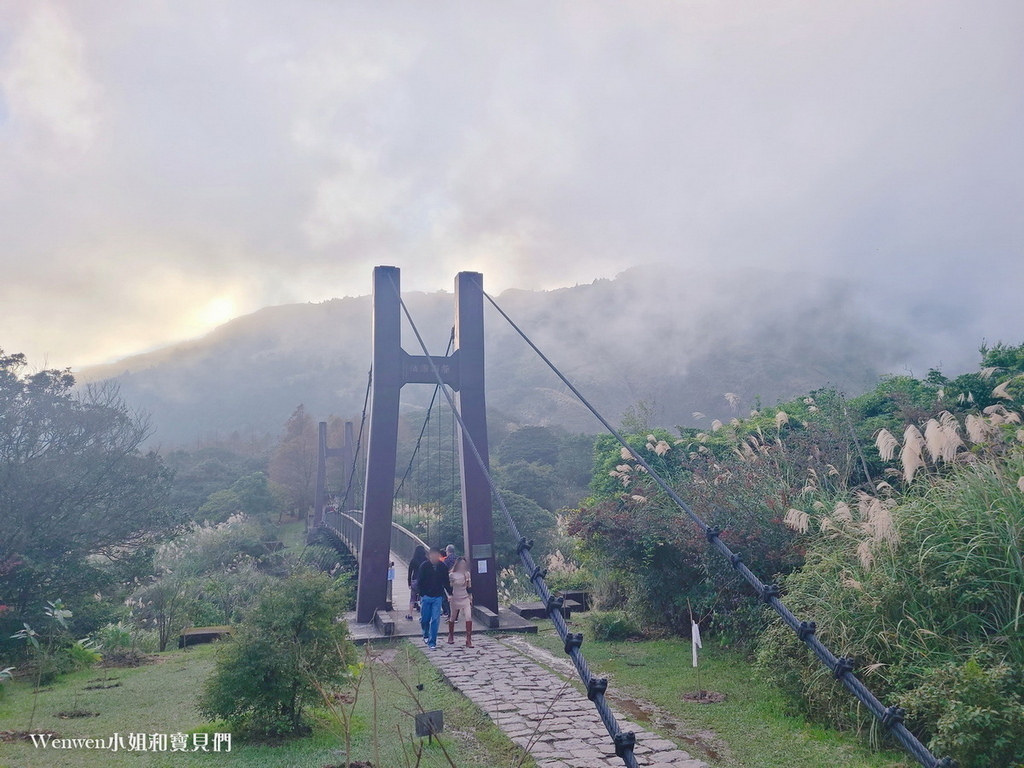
[[624, 741], [842, 668]]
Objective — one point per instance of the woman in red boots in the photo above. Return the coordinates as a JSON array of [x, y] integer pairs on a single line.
[[461, 600]]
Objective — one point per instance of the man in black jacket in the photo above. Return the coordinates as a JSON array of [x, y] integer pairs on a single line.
[[432, 582]]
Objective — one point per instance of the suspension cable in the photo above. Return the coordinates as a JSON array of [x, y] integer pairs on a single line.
[[596, 687], [426, 420], [842, 667], [359, 440], [416, 448]]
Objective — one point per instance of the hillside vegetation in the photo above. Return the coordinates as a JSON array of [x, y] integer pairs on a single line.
[[895, 520], [764, 336]]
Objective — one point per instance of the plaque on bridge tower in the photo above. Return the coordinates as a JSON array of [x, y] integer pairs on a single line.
[[482, 551]]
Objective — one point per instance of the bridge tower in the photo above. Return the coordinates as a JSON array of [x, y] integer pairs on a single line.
[[393, 368], [321, 496]]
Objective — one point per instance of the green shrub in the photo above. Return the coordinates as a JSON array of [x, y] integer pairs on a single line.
[[932, 615], [976, 713], [610, 626], [82, 654], [289, 648], [115, 636], [562, 578]]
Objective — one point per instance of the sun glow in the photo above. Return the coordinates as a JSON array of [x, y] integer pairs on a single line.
[[217, 311]]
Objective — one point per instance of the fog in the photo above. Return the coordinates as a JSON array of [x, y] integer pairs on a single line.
[[165, 166]]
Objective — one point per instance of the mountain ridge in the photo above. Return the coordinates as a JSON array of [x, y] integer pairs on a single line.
[[676, 339]]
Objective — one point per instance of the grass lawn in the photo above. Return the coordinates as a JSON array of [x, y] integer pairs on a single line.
[[161, 697], [292, 533], [752, 722]]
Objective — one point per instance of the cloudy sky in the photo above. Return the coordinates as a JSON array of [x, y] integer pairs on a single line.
[[168, 164]]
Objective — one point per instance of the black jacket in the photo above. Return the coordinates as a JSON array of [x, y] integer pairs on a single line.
[[433, 580], [414, 568]]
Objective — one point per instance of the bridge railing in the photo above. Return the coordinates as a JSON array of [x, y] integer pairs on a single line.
[[349, 528]]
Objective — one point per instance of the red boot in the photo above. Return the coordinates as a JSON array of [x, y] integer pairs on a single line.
[[469, 634], [451, 633]]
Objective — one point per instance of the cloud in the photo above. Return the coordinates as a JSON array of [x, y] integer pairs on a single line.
[[165, 158], [47, 87]]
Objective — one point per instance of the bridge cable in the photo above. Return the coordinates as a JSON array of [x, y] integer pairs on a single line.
[[624, 741], [416, 448], [842, 668], [426, 420], [359, 440]]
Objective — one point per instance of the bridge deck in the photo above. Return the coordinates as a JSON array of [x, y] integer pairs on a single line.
[[362, 633]]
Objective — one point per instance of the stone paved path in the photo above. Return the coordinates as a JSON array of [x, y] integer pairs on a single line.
[[517, 694]]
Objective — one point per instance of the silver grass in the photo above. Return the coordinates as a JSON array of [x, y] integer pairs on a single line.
[[977, 428], [887, 444], [1002, 392], [910, 456], [865, 555], [797, 520], [941, 441]]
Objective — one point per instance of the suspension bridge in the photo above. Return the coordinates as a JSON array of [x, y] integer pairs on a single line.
[[587, 731]]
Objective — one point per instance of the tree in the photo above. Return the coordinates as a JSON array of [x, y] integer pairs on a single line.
[[291, 645], [534, 522], [531, 479], [531, 444], [251, 494], [75, 488], [294, 463], [200, 472], [165, 605]]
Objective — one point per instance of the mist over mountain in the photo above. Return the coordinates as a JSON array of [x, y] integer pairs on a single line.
[[675, 339]]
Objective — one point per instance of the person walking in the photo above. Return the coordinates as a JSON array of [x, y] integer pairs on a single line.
[[462, 600], [391, 584], [432, 584], [419, 556], [448, 558]]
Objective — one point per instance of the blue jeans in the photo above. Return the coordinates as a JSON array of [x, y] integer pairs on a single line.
[[430, 618]]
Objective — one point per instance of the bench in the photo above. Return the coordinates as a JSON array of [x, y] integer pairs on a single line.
[[197, 635], [580, 596], [537, 610]]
